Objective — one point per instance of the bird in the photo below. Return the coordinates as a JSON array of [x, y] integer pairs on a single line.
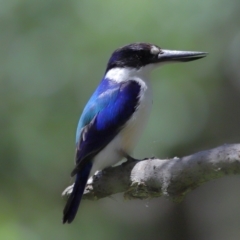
[[115, 115]]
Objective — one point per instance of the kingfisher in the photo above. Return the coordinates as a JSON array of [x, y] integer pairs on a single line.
[[116, 113]]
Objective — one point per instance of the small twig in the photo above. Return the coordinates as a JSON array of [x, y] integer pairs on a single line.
[[172, 178]]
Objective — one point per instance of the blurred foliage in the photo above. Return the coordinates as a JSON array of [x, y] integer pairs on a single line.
[[52, 56]]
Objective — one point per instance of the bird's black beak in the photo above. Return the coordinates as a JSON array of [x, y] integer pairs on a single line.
[[179, 56]]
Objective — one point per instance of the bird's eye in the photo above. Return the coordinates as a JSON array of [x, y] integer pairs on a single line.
[[154, 50]]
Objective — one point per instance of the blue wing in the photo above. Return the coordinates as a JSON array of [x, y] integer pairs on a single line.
[[107, 111]]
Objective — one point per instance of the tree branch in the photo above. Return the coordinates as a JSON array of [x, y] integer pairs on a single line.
[[172, 178]]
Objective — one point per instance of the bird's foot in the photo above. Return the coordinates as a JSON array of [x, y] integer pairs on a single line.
[[149, 158], [131, 159], [68, 190]]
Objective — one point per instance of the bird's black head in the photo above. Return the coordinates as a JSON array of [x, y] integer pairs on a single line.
[[137, 55], [134, 55]]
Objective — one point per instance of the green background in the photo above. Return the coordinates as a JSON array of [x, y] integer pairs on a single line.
[[53, 53]]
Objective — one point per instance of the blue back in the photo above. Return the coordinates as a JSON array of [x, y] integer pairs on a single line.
[[107, 111]]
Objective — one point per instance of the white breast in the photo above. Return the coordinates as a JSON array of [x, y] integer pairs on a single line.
[[126, 140], [134, 127]]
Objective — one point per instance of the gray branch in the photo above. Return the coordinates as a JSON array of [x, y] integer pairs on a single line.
[[172, 178]]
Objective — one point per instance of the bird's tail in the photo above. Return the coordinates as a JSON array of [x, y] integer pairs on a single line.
[[74, 199]]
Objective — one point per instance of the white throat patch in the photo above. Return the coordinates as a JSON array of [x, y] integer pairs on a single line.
[[125, 74]]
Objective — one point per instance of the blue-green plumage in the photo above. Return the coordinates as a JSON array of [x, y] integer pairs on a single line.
[[104, 116], [98, 101]]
